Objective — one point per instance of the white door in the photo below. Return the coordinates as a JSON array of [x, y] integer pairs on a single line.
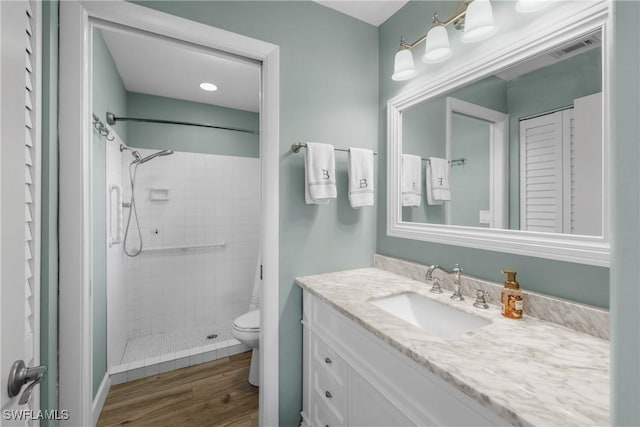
[[19, 205], [545, 173]]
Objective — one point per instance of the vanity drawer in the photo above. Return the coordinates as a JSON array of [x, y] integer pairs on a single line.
[[329, 390], [325, 358], [323, 416]]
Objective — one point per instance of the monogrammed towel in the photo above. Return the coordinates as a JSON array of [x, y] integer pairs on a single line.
[[319, 175], [360, 170]]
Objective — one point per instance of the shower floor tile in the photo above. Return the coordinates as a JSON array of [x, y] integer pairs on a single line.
[[175, 341]]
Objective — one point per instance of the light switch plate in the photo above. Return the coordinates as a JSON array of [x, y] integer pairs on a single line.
[[485, 217]]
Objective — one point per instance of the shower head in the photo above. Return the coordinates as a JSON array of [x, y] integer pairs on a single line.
[[153, 156], [136, 156], [139, 159]]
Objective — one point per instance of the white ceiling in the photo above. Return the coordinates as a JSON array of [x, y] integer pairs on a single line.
[[166, 68], [162, 67], [374, 12]]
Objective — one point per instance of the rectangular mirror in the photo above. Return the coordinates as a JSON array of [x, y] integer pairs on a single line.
[[525, 152], [551, 105]]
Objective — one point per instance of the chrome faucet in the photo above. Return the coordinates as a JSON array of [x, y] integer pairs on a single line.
[[435, 286], [457, 296]]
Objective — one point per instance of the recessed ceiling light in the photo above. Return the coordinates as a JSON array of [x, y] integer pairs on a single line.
[[208, 86]]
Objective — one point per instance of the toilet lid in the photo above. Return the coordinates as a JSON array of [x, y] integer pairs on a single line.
[[248, 321]]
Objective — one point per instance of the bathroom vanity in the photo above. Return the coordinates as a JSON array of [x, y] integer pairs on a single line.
[[365, 366]]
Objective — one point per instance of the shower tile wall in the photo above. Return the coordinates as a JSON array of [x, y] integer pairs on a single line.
[[212, 199]]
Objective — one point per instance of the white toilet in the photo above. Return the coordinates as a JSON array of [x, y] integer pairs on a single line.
[[246, 329]]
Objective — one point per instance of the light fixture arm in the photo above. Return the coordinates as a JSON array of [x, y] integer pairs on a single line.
[[457, 20]]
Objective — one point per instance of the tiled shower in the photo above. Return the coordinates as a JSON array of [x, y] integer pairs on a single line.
[[174, 304]]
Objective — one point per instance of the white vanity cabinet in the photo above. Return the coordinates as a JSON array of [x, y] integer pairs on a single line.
[[352, 378]]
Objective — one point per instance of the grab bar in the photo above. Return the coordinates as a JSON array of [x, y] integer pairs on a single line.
[[185, 247], [119, 226]]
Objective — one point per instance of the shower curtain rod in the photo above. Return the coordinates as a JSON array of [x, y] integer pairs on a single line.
[[112, 119]]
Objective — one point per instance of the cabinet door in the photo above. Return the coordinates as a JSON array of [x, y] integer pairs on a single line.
[[368, 407]]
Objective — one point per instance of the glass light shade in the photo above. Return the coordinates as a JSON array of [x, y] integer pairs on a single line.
[[527, 6], [478, 21], [436, 47], [403, 67]]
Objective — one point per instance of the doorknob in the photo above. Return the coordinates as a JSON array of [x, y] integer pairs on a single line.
[[20, 375]]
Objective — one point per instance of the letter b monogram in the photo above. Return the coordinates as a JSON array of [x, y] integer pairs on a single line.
[[325, 174], [363, 183]]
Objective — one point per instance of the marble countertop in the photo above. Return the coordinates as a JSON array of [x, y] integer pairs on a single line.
[[528, 371]]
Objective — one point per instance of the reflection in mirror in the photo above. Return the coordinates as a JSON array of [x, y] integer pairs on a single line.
[[470, 139], [552, 176]]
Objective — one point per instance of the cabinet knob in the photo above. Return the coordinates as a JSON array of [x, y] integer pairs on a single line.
[[327, 360], [328, 394]]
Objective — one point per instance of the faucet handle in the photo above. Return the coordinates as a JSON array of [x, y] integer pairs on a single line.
[[481, 302], [458, 268]]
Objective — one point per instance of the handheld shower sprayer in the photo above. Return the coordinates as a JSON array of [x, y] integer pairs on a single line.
[[133, 167]]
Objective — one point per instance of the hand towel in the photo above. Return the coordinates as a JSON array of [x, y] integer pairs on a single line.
[[319, 175], [360, 169], [411, 180], [437, 181]]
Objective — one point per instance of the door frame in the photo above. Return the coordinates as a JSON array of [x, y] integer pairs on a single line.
[[77, 19], [498, 156]]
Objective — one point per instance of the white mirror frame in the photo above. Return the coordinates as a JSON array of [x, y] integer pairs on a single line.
[[591, 250]]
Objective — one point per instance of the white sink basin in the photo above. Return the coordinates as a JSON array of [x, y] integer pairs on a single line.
[[434, 318]]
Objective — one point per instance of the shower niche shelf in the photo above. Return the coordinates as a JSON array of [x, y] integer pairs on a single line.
[[159, 194]]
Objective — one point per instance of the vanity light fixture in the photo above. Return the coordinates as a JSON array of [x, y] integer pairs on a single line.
[[403, 67], [209, 87], [479, 22], [436, 45], [474, 16]]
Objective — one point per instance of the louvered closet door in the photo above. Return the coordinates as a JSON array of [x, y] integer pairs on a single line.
[[545, 173], [19, 196]]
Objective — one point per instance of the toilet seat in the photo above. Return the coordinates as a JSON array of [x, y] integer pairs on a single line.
[[248, 322]]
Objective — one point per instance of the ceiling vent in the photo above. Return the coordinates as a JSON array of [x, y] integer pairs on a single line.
[[576, 47]]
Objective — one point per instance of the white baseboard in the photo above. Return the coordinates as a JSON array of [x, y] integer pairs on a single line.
[[98, 402]]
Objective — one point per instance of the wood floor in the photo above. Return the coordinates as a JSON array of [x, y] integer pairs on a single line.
[[211, 394]]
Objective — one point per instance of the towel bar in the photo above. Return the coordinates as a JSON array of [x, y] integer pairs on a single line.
[[298, 145], [454, 162]]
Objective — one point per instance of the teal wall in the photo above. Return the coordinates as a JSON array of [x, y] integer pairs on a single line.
[[108, 95], [625, 268], [328, 93], [576, 282], [49, 260], [189, 138], [540, 91], [424, 134]]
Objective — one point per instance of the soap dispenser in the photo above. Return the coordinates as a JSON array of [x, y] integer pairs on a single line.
[[512, 298]]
